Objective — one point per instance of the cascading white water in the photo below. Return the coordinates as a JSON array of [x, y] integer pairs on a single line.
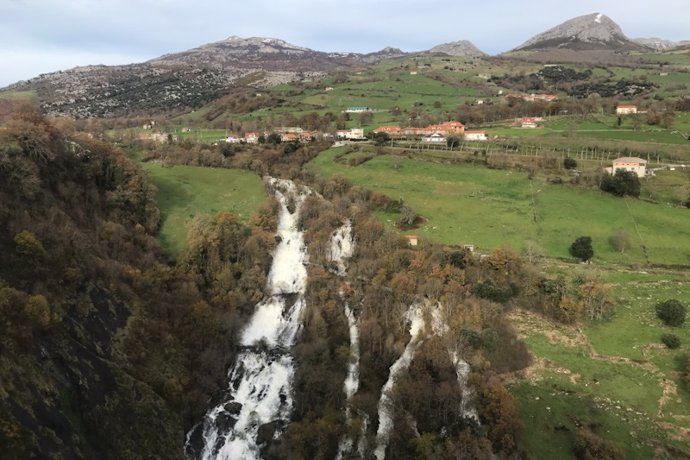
[[385, 406], [260, 389], [342, 248], [462, 368]]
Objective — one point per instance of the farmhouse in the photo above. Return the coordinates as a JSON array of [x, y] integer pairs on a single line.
[[354, 134], [289, 137], [626, 109], [412, 240], [357, 109], [251, 138], [449, 127], [418, 131], [540, 97], [529, 123], [632, 164], [390, 130], [436, 138], [475, 135]]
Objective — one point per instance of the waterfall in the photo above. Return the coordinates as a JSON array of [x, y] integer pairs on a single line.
[[385, 406], [438, 327], [462, 369], [342, 247], [258, 402]]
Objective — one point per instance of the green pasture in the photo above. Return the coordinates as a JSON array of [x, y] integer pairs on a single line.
[[489, 208], [553, 409], [185, 192], [619, 392]]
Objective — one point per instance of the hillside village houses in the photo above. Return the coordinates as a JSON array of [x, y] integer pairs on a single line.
[[436, 138], [530, 122], [354, 134], [632, 164], [533, 97], [626, 110], [449, 128], [475, 136], [357, 109]]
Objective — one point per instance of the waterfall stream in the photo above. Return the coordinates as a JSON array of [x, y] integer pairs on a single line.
[[385, 406], [258, 402]]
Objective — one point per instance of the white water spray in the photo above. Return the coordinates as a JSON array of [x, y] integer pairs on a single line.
[[260, 388], [385, 406], [438, 327], [342, 248]]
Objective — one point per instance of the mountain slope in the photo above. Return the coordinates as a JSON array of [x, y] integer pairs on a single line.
[[589, 32], [658, 44], [179, 81]]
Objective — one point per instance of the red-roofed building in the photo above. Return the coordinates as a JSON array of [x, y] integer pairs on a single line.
[[626, 109], [390, 130]]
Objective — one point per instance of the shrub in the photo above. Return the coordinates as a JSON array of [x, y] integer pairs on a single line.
[[671, 341], [621, 184], [582, 248], [621, 240], [488, 290], [589, 445], [672, 312], [569, 163]]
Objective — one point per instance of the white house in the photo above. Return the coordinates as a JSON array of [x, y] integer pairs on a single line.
[[357, 109], [354, 134], [412, 240], [633, 164], [475, 136], [251, 138], [626, 109], [436, 138]]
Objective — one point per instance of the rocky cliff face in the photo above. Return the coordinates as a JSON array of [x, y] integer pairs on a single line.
[[590, 32]]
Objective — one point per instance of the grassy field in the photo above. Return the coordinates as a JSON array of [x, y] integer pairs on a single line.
[[614, 375], [185, 192], [466, 204]]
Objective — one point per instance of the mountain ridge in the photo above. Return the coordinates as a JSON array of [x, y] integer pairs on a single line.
[[594, 31]]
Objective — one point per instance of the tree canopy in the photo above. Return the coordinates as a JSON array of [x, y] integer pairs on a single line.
[[582, 248]]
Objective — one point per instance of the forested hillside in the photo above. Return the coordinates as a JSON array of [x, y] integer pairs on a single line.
[[106, 351]]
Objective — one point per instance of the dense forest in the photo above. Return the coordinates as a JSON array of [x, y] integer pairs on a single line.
[[111, 350]]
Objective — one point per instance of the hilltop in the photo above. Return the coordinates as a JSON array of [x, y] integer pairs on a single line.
[[589, 32]]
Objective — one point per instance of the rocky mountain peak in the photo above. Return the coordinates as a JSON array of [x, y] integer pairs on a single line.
[[588, 32], [458, 48]]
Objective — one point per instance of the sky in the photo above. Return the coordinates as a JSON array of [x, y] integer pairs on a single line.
[[39, 36]]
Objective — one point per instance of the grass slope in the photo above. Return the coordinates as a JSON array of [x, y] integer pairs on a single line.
[[185, 192], [468, 204], [613, 375]]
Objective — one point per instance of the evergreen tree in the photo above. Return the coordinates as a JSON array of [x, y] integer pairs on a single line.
[[582, 248]]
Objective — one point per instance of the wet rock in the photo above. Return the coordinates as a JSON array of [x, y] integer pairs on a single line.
[[225, 422], [267, 431], [233, 408]]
